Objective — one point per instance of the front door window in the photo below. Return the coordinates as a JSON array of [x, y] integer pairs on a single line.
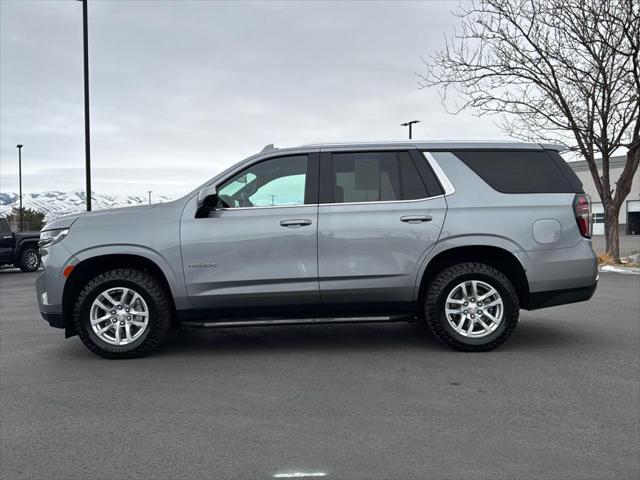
[[273, 183]]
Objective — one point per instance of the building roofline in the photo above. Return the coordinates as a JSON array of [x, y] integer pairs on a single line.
[[618, 161]]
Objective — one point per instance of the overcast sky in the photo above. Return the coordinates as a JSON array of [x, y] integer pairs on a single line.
[[181, 90]]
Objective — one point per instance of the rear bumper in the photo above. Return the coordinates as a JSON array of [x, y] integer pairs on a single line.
[[552, 298], [560, 276]]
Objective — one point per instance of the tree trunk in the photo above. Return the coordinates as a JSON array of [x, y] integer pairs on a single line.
[[612, 232]]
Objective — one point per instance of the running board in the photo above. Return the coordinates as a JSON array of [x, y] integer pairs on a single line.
[[267, 322]]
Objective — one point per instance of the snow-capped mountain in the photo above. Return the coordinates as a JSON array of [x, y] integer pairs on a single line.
[[55, 203]]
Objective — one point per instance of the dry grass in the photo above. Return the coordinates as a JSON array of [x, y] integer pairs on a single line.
[[605, 259]]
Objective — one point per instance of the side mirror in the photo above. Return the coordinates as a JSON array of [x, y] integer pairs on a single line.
[[207, 201], [208, 198]]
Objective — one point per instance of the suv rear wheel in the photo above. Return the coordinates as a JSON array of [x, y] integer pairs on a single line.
[[122, 313], [472, 307]]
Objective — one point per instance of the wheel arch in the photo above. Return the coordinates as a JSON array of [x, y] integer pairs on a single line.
[[24, 243], [492, 255], [90, 267]]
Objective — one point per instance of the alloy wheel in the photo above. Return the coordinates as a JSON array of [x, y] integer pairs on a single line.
[[474, 309], [119, 315], [31, 260]]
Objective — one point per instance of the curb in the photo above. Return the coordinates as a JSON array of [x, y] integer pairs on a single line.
[[623, 270]]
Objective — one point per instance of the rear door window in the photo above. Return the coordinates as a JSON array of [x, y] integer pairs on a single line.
[[375, 177], [517, 171]]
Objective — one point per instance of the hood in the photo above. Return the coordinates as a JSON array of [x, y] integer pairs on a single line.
[[66, 221], [133, 217]]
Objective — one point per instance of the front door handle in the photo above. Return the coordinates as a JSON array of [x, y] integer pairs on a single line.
[[295, 223], [416, 218]]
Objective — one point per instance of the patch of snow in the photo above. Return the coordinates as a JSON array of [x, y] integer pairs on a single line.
[[614, 269]]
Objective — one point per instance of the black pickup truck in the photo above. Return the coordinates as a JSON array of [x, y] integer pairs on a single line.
[[19, 249]]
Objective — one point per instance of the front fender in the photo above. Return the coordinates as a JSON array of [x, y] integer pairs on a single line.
[[20, 242], [174, 279]]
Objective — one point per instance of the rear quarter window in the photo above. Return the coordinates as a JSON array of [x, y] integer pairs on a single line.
[[522, 171]]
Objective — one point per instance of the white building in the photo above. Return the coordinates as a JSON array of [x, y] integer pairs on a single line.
[[629, 217]]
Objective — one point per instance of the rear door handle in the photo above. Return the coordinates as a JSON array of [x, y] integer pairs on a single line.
[[416, 218], [295, 223]]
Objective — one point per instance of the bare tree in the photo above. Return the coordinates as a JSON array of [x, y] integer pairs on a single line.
[[562, 71]]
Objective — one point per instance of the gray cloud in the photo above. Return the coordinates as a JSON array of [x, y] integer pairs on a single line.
[[180, 90]]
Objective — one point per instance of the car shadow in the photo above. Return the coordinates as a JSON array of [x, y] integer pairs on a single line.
[[530, 335], [10, 270], [301, 338]]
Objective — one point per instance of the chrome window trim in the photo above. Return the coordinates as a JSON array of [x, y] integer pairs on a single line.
[[448, 187], [333, 204], [435, 166], [383, 201], [267, 206]]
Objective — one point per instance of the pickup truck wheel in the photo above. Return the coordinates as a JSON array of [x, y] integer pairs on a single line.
[[122, 313], [29, 260], [472, 307]]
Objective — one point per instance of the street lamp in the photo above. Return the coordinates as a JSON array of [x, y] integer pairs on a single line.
[[408, 124], [87, 148], [19, 147]]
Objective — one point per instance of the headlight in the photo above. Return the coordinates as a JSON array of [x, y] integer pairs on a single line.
[[51, 237]]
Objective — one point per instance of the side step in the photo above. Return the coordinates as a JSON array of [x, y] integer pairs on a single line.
[[270, 322]]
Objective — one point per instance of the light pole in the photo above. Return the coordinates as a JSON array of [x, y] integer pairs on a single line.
[[149, 196], [87, 138], [19, 147], [408, 124]]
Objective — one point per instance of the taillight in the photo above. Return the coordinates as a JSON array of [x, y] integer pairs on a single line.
[[582, 210]]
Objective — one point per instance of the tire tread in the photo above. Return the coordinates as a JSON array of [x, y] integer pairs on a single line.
[[20, 263], [153, 288], [435, 316]]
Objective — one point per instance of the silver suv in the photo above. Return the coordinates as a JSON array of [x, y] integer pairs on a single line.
[[458, 235]]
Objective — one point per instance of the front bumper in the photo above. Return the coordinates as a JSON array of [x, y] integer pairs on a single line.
[[56, 320], [50, 284], [51, 313]]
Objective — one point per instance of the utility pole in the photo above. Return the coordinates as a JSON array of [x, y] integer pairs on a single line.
[[409, 124], [149, 191], [87, 129], [19, 147]]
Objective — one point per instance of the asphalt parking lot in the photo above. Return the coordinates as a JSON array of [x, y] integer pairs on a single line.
[[559, 400]]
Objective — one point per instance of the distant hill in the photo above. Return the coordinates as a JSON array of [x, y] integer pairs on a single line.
[[55, 203]]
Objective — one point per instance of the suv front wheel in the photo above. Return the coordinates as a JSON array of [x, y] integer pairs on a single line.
[[472, 307], [122, 313]]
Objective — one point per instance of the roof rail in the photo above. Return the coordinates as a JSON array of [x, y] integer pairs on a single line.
[[268, 148], [554, 146]]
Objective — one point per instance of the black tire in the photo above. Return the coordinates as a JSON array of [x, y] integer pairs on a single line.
[[446, 281], [153, 293], [27, 261]]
